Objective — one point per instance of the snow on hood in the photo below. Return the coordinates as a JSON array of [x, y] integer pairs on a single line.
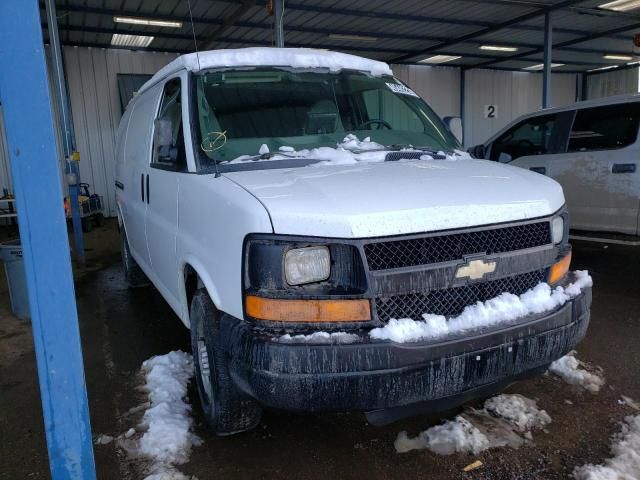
[[356, 194], [351, 150], [270, 57]]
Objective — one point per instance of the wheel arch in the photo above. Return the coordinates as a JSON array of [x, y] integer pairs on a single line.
[[194, 277]]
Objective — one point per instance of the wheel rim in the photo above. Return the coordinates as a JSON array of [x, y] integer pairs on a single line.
[[205, 369]]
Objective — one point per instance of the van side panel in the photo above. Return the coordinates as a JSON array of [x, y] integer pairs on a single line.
[[136, 157], [214, 217]]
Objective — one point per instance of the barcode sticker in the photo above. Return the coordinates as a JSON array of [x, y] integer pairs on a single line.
[[401, 89]]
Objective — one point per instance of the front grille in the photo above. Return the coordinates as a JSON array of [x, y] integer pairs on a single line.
[[451, 302], [454, 246]]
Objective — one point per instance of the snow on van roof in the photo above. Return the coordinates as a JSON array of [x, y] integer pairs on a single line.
[[267, 57]]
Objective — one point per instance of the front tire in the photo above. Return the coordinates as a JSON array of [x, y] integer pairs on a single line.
[[133, 274], [227, 411]]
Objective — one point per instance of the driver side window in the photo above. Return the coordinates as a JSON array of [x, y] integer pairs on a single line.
[[529, 137], [169, 148], [387, 107]]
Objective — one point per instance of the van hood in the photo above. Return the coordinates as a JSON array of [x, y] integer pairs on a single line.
[[394, 198]]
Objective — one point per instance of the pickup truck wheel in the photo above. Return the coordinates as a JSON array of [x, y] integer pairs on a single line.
[[227, 411], [133, 274]]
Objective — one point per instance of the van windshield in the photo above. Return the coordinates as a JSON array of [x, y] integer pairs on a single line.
[[254, 114]]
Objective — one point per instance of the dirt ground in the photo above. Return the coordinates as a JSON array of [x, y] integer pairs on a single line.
[[121, 328]]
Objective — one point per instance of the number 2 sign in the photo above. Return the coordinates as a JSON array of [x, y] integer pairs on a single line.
[[490, 111]]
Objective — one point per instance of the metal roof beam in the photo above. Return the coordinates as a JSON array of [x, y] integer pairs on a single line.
[[509, 23], [322, 10], [595, 12], [183, 37], [560, 45], [227, 23], [292, 28]]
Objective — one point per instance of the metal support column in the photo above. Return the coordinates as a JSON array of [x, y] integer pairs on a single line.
[[72, 169], [278, 13], [462, 95], [24, 93], [546, 72], [580, 86]]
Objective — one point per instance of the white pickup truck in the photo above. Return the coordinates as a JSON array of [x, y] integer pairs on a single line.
[[314, 224]]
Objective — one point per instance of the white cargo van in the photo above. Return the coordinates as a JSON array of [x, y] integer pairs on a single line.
[[314, 224], [591, 148]]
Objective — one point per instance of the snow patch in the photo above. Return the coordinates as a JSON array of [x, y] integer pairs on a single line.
[[454, 436], [569, 369], [351, 150], [269, 57], [168, 438], [164, 436], [502, 309], [522, 412], [625, 463], [104, 439], [505, 420], [320, 337]]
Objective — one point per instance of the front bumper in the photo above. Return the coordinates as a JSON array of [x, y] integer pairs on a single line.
[[371, 375]]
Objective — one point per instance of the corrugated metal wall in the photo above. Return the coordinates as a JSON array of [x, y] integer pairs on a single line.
[[439, 86], [512, 93], [612, 83], [95, 103]]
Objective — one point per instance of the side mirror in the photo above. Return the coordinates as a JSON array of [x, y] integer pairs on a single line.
[[163, 140], [454, 124], [478, 151]]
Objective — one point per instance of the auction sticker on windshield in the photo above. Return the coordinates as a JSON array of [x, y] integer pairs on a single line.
[[397, 88]]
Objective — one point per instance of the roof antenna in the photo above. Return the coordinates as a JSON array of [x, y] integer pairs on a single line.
[[193, 31]]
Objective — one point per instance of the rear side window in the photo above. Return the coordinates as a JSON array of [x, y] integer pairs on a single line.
[[529, 137], [605, 128]]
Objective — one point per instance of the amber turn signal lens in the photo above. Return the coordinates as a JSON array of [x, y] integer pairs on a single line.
[[559, 269], [308, 311]]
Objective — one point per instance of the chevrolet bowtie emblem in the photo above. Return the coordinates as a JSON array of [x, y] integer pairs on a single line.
[[475, 269]]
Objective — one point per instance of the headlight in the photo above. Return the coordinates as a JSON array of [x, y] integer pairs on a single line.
[[307, 265], [557, 229]]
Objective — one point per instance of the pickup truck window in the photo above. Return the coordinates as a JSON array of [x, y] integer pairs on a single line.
[[529, 137], [240, 111], [605, 128]]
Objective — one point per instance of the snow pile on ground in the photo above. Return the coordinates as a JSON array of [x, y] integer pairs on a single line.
[[625, 464], [168, 438], [505, 420], [164, 436], [522, 412], [569, 369], [504, 308], [351, 150], [454, 436], [320, 337]]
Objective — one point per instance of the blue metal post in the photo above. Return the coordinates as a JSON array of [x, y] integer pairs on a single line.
[[66, 122], [546, 73], [26, 101]]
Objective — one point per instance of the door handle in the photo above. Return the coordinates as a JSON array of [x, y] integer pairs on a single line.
[[148, 191], [623, 168], [541, 170], [142, 186]]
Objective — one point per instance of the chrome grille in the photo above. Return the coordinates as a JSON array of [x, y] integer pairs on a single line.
[[454, 246], [452, 301]]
